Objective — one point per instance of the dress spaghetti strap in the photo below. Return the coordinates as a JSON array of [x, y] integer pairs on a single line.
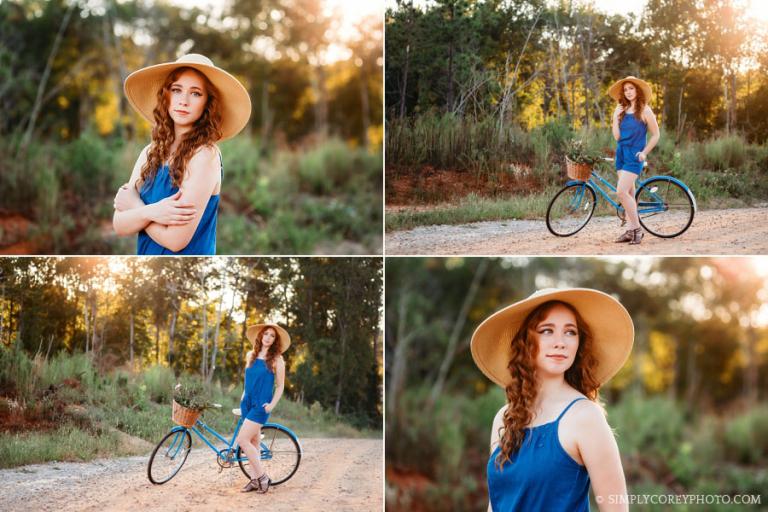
[[568, 407]]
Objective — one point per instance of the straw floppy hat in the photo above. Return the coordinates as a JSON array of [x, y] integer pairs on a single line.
[[616, 89], [141, 89], [285, 338], [609, 322]]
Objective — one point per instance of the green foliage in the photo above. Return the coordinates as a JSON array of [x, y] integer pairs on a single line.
[[577, 152], [64, 366], [746, 437], [16, 372], [159, 381], [290, 201], [640, 423], [192, 395], [474, 208], [67, 443]]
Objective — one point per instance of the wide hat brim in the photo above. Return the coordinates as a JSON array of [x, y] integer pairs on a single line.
[[615, 90], [609, 322], [141, 90], [285, 338]]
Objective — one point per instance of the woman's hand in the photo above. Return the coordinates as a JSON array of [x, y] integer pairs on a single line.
[[641, 156], [268, 408], [127, 199], [619, 109], [173, 211]]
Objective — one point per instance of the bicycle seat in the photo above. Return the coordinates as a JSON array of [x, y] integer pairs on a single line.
[[237, 412]]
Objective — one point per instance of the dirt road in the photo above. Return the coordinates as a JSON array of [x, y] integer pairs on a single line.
[[335, 474], [734, 231]]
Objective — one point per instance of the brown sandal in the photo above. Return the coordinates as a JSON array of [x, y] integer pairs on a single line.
[[252, 485], [264, 482], [637, 237], [628, 236]]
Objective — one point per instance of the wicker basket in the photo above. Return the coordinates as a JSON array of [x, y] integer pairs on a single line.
[[581, 172], [183, 416]]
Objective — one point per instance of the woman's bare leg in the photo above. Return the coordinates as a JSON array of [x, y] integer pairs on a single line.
[[625, 189], [249, 432]]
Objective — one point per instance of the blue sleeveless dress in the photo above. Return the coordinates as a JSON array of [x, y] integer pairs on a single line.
[[541, 475], [203, 242], [632, 134], [259, 387]]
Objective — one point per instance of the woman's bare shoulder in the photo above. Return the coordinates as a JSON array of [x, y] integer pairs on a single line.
[[586, 414]]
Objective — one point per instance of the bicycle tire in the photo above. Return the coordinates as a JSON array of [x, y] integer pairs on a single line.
[[673, 198], [185, 437], [574, 206], [279, 471]]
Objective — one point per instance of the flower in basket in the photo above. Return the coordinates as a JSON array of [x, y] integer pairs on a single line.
[[191, 396], [578, 152]]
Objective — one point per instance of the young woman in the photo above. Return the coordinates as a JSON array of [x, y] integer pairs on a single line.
[[551, 353], [631, 122], [172, 198], [264, 384]]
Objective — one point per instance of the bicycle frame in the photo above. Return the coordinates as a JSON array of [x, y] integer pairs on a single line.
[[231, 446], [643, 207]]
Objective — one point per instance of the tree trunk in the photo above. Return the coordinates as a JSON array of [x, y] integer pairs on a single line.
[[131, 338], [404, 87], [751, 375], [266, 113], [204, 313], [171, 332], [450, 350], [344, 333], [732, 103], [44, 79], [157, 342], [215, 350], [321, 105], [86, 321], [365, 113]]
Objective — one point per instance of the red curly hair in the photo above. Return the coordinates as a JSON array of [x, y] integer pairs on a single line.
[[639, 102], [521, 391], [273, 352], [205, 132]]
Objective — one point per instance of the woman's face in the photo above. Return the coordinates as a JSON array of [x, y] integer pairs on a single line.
[[187, 98], [558, 337], [630, 92], [268, 338]]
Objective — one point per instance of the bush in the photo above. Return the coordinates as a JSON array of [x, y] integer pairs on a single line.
[[746, 436], [159, 381], [16, 373]]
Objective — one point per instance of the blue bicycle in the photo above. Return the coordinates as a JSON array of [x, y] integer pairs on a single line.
[[665, 205], [279, 447]]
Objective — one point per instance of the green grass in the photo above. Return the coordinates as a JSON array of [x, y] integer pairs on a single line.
[[473, 208], [68, 443]]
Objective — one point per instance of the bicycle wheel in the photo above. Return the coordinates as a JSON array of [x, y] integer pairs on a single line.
[[280, 454], [570, 209], [168, 456], [665, 208]]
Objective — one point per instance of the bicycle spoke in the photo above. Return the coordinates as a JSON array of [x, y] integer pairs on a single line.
[[664, 207], [570, 209], [168, 457]]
